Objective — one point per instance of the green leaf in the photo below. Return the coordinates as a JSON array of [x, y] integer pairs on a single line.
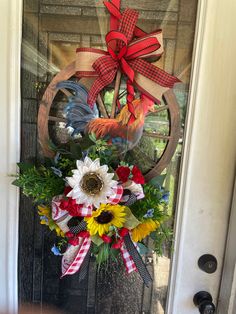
[[75, 150], [24, 166], [131, 220], [153, 235], [16, 183], [92, 137], [158, 181], [96, 240], [114, 253], [103, 253], [85, 142]]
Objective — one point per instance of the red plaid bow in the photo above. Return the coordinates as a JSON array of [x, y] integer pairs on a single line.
[[127, 55], [127, 58]]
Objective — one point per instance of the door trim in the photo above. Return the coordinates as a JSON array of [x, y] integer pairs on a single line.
[[207, 170], [190, 115], [227, 295], [10, 56]]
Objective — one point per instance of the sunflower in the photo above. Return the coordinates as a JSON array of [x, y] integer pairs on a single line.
[[46, 219], [144, 229], [104, 217], [91, 183]]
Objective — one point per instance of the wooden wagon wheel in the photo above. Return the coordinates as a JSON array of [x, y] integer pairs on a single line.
[[170, 104]]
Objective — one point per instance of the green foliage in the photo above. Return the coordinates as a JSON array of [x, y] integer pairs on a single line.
[[40, 183], [66, 165], [104, 252], [107, 153], [141, 157], [158, 181], [162, 237], [94, 148], [61, 242], [153, 200]]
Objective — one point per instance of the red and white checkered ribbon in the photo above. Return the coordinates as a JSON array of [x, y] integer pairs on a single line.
[[72, 268], [128, 260], [115, 199], [57, 212], [85, 211], [80, 209]]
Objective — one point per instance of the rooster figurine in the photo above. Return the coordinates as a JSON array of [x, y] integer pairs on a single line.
[[85, 119]]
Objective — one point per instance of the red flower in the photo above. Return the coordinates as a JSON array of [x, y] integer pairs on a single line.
[[73, 241], [70, 205], [123, 232], [67, 189], [106, 238], [137, 175], [69, 234], [123, 173], [83, 234], [117, 245]]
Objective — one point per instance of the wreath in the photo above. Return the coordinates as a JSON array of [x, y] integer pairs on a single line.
[[90, 192]]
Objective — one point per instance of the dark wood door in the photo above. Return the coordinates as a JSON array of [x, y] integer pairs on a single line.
[[52, 30]]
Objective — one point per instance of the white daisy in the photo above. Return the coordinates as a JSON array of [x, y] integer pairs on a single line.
[[91, 183]]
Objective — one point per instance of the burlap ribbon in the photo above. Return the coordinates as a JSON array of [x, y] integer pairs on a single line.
[[131, 56]]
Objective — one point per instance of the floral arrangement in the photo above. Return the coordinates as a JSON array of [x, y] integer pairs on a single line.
[[97, 205], [95, 199]]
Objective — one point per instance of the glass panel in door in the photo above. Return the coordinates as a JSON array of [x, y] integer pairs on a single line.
[[52, 30]]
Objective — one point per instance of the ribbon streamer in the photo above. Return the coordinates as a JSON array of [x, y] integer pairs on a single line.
[[80, 227], [141, 267], [132, 198], [128, 260], [78, 260], [85, 265]]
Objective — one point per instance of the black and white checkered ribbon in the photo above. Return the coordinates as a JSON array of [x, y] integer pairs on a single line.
[[85, 265], [131, 200], [80, 227], [141, 267]]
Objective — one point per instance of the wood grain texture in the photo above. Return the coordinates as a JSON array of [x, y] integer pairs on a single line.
[[171, 103], [116, 94], [45, 106], [174, 119]]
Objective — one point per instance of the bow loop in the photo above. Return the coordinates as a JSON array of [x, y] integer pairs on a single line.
[[142, 47], [118, 37], [129, 55]]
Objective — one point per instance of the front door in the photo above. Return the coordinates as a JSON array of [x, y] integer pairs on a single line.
[[199, 177]]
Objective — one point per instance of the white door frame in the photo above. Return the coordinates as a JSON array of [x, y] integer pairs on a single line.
[[227, 295], [204, 163], [10, 56], [207, 172]]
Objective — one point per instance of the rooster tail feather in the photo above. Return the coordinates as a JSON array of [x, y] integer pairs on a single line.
[[78, 113], [80, 90]]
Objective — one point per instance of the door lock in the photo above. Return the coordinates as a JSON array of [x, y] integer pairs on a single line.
[[208, 263], [203, 300]]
